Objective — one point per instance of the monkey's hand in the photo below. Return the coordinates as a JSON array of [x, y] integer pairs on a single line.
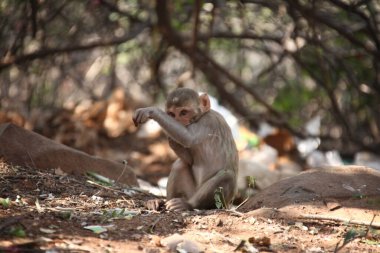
[[142, 115], [178, 204], [155, 204]]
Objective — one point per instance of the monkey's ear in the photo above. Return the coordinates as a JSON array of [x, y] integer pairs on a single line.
[[205, 102]]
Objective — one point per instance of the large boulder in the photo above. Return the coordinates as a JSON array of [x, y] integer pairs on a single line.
[[318, 185], [25, 148]]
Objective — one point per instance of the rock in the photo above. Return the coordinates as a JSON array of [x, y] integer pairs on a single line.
[[172, 241], [151, 250], [178, 243], [332, 204], [318, 184], [188, 246], [25, 148]]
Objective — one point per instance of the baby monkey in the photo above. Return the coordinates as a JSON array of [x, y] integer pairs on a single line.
[[203, 142]]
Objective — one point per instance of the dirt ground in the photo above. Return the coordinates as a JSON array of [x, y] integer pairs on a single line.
[[49, 211]]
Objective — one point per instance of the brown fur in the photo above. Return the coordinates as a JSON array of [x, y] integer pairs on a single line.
[[181, 97]]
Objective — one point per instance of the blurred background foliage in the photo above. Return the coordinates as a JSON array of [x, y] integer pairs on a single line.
[[281, 62]]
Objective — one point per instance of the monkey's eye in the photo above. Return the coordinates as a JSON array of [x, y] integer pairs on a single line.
[[171, 114], [183, 113]]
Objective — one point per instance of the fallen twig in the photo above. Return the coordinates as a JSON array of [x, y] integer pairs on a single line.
[[124, 169], [234, 212], [153, 225], [350, 236], [373, 218], [336, 219], [242, 203], [119, 191]]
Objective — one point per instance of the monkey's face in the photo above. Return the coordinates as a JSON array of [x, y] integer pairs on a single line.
[[183, 114]]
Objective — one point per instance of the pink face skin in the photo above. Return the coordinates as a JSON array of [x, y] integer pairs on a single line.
[[183, 114]]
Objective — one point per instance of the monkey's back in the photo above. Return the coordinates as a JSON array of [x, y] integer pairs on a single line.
[[217, 149]]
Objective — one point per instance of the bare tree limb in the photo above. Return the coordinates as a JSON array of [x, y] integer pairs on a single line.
[[5, 63], [214, 78], [33, 16], [324, 19], [197, 9], [353, 9], [247, 35], [214, 73], [240, 84], [158, 58]]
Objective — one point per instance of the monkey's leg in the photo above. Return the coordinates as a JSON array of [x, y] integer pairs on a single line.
[[204, 196], [180, 182]]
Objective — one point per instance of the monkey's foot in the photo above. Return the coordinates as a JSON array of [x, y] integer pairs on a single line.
[[155, 204]]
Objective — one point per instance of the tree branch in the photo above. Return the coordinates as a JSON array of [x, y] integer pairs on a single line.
[[215, 73], [7, 62], [313, 14], [33, 16], [352, 9], [247, 35]]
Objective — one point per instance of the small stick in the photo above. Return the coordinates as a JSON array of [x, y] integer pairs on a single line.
[[118, 191], [370, 225], [242, 203], [355, 222], [234, 212], [124, 169], [154, 224]]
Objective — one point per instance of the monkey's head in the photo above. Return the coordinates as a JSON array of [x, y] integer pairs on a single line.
[[186, 106]]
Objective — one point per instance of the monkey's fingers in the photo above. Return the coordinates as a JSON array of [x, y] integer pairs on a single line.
[[177, 204], [135, 123], [155, 204], [134, 118], [140, 117]]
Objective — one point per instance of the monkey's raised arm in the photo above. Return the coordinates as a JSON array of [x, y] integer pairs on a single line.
[[181, 152], [173, 129]]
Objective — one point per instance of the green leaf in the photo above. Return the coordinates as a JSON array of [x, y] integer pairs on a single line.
[[96, 229], [101, 179], [350, 235], [17, 231], [218, 201], [219, 198], [251, 181], [119, 213], [5, 202]]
